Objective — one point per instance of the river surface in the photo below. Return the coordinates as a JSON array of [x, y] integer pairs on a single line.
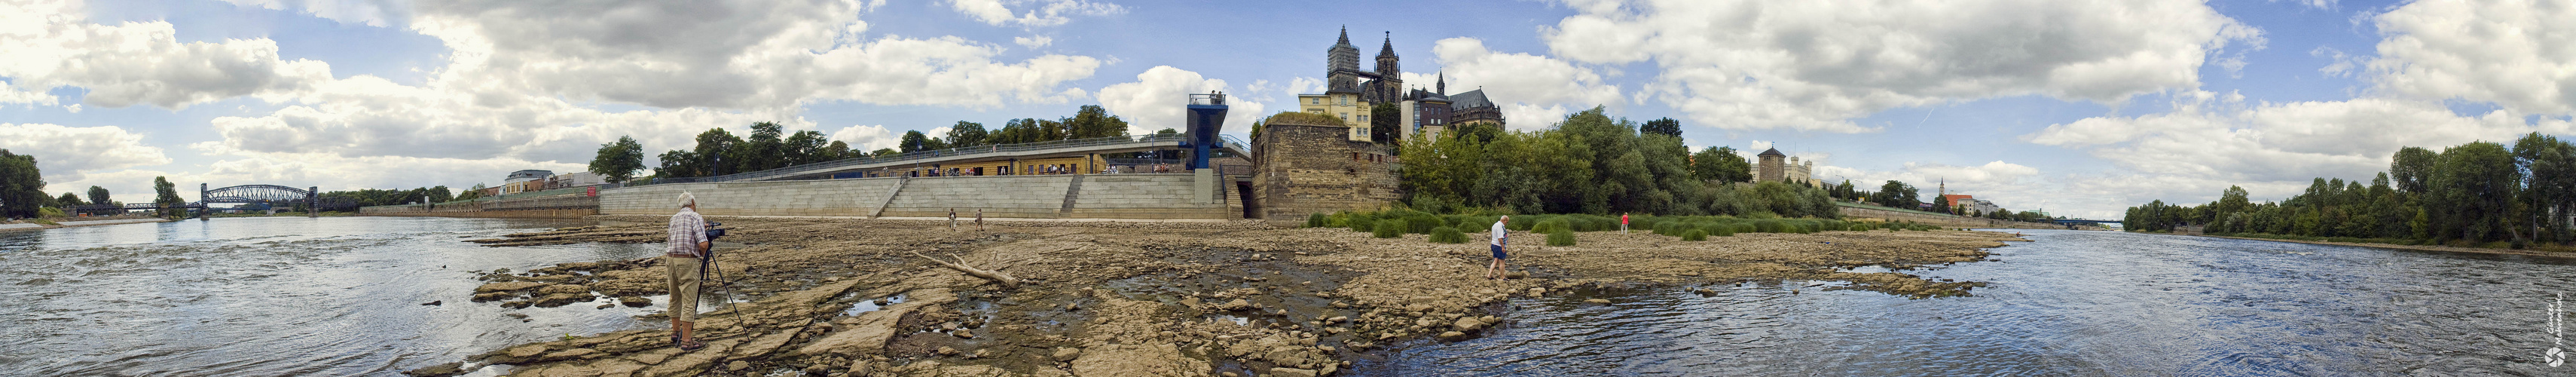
[[2070, 303], [274, 296], [342, 296]]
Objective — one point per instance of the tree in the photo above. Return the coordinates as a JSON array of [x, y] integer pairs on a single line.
[[1089, 122], [1663, 126], [2411, 168], [1896, 195], [1386, 123], [165, 195], [68, 200], [2550, 196], [618, 161], [2232, 201], [766, 149], [809, 146], [882, 152], [680, 164], [440, 194], [966, 134], [1844, 190], [1942, 204], [914, 141], [714, 152], [98, 195], [2470, 190], [1721, 164], [22, 186]]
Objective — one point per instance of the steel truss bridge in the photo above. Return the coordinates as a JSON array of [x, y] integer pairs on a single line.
[[310, 197]]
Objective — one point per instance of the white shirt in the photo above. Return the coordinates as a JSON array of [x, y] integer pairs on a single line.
[[1498, 233]]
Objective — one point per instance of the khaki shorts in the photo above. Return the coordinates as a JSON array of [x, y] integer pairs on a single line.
[[684, 287]]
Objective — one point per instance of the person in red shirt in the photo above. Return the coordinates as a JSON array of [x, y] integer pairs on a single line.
[[1623, 222]]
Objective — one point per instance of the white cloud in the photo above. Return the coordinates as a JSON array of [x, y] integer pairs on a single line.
[[50, 45], [2212, 141], [1535, 91], [2343, 65], [867, 138], [1813, 65], [69, 153], [11, 94], [1034, 41], [378, 13], [2511, 53], [1041, 12], [1159, 96]]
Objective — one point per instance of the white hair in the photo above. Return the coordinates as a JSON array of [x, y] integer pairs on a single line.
[[687, 200]]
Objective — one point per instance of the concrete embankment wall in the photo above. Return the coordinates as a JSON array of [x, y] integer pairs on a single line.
[[550, 207], [1099, 196], [1941, 220]]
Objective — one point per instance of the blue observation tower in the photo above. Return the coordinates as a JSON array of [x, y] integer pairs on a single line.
[[1207, 117]]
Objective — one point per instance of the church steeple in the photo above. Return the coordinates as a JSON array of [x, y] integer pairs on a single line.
[[1386, 62], [1346, 36], [1342, 65], [1440, 85], [1387, 50]]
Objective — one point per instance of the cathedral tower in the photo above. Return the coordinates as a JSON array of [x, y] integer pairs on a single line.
[[1342, 65]]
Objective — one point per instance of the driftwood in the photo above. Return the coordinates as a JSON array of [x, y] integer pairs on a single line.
[[996, 276]]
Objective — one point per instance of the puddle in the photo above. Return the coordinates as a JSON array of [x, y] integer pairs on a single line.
[[864, 306]]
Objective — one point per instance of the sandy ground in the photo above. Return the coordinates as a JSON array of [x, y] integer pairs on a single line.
[[835, 297]]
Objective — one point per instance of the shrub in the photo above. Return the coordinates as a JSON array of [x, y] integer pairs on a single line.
[[1315, 220], [49, 213], [1390, 228], [1694, 235], [1421, 223], [1551, 225], [1720, 230], [1361, 223], [1669, 228], [1447, 235], [1561, 237], [1768, 226]]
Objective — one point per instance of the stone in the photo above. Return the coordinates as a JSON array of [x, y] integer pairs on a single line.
[[1236, 305], [527, 351], [945, 350], [1468, 324], [1597, 301], [564, 289], [511, 286], [1452, 335], [1537, 291], [737, 366], [1067, 353], [964, 334], [1291, 372], [635, 301], [562, 299], [1337, 319]]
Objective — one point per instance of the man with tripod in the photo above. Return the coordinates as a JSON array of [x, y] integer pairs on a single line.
[[688, 244]]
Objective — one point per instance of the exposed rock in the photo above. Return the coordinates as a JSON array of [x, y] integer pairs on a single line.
[[635, 301], [511, 286], [562, 299], [1452, 335], [1597, 301], [1291, 372], [1067, 353], [1468, 324], [563, 289], [441, 370], [946, 350], [737, 366]]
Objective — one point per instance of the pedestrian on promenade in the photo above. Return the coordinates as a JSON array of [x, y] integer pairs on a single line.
[[1495, 270], [979, 220], [952, 219], [687, 244], [1623, 222]]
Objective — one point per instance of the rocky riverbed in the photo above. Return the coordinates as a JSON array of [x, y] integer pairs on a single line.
[[829, 297]]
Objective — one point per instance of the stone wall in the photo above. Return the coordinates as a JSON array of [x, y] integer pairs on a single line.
[[1091, 196], [1302, 169], [557, 206]]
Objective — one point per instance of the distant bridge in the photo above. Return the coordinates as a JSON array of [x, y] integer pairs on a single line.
[[2072, 223], [1044, 149], [273, 194]]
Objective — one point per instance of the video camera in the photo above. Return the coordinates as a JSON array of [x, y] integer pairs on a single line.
[[713, 232]]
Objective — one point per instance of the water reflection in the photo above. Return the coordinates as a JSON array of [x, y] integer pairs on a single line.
[[2072, 303], [274, 296]]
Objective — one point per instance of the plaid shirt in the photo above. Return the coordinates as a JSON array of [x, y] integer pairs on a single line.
[[687, 230]]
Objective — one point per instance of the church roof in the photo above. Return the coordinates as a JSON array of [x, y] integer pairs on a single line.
[[1387, 49], [1771, 152], [1469, 99], [1346, 40]]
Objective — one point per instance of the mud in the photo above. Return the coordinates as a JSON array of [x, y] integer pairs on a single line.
[[832, 297]]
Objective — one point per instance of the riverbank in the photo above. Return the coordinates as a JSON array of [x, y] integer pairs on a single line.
[[2446, 248], [75, 224], [852, 297]]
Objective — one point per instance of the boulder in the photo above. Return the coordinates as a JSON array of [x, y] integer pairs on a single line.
[[1291, 372], [635, 301], [1597, 301], [563, 289], [1468, 324]]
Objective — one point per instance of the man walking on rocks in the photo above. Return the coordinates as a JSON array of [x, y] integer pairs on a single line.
[[688, 242], [1495, 270], [952, 219]]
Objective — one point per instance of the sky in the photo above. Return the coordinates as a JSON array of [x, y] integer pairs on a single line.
[[2079, 108]]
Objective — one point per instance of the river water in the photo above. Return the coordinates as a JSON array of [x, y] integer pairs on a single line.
[[2069, 303], [341, 296], [274, 296]]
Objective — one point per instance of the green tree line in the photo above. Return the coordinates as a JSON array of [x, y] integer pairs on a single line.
[[720, 152], [2477, 194], [1591, 163]]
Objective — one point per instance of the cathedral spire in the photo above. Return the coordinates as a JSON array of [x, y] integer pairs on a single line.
[[1441, 84], [1387, 49], [1346, 35]]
